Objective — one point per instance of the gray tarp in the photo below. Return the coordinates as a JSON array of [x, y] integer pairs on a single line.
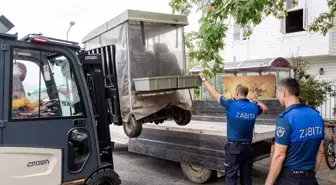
[[160, 53]]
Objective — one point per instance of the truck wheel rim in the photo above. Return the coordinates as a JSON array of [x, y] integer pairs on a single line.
[[195, 168], [178, 119], [128, 126]]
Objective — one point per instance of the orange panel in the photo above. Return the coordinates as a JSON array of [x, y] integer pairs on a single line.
[[263, 86]]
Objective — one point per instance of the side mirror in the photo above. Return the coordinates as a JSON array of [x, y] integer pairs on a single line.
[[5, 24], [195, 70]]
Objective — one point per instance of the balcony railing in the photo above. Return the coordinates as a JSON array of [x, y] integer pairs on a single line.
[[327, 108]]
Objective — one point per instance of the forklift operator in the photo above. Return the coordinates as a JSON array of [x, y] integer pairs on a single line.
[[18, 92], [19, 75], [241, 116]]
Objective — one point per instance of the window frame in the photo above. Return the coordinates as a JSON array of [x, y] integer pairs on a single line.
[[290, 2], [304, 6], [238, 31], [10, 89]]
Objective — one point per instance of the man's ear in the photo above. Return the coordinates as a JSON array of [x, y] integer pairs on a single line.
[[284, 93]]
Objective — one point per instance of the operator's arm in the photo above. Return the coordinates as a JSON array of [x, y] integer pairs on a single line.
[[319, 157], [282, 138], [212, 91]]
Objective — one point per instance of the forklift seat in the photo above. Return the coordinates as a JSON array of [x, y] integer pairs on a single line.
[[142, 61], [167, 61]]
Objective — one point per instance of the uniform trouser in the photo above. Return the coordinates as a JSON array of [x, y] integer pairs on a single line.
[[238, 157], [290, 177]]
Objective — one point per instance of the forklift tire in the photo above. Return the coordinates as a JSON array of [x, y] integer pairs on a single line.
[[197, 174], [105, 176], [183, 117], [132, 128]]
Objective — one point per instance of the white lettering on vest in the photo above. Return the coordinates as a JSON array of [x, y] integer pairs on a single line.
[[243, 115], [310, 131]]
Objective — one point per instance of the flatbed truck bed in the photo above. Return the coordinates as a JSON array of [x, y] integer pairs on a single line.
[[200, 144]]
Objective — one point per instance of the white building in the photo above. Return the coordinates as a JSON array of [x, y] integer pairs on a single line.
[[283, 38]]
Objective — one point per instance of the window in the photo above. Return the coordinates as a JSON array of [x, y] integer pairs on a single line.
[[297, 17], [294, 21], [239, 32], [43, 86]]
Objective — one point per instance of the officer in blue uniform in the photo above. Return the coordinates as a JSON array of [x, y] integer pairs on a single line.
[[241, 116], [299, 134]]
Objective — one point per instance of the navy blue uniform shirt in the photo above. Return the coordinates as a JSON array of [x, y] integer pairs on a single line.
[[301, 129], [241, 116]]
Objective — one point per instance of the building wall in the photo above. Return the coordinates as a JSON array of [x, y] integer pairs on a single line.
[[332, 41], [268, 41], [329, 68], [328, 63]]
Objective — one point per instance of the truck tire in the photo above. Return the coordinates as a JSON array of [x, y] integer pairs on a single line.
[[183, 117], [132, 128], [197, 174], [105, 176]]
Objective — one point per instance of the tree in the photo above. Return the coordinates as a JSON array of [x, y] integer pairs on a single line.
[[313, 92], [205, 44]]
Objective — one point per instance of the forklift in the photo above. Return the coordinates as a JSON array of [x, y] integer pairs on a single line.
[[58, 134]]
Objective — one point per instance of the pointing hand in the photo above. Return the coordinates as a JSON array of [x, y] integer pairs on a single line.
[[202, 75]]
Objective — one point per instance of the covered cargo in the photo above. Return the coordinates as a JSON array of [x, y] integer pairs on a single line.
[[150, 61]]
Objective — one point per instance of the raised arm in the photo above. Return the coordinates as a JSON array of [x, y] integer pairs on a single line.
[[214, 94], [253, 97], [212, 91], [263, 107]]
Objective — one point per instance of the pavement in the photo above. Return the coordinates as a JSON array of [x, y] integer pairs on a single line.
[[137, 169]]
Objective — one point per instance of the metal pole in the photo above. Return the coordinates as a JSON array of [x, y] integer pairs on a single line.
[[71, 24], [67, 83], [277, 80]]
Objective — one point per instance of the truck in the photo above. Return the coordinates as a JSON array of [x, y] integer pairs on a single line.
[[198, 145]]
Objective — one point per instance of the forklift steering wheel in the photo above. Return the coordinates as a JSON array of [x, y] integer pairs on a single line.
[[50, 102]]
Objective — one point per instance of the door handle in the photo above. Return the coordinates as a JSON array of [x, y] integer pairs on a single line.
[[79, 123]]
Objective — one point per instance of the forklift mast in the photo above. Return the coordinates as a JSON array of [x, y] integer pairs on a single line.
[[104, 94]]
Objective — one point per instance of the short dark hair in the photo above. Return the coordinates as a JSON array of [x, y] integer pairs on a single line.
[[243, 90], [291, 85]]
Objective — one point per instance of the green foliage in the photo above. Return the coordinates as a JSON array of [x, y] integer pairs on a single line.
[[313, 91], [205, 44], [197, 93], [325, 21]]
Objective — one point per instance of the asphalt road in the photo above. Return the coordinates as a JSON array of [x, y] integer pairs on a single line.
[[137, 169]]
